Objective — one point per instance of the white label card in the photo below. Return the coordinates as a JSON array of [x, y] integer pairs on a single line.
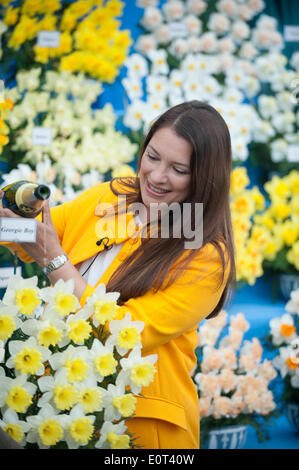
[[293, 153], [291, 33], [48, 39], [6, 273], [17, 230], [177, 29], [41, 136]]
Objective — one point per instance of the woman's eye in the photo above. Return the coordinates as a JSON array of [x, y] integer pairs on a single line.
[[151, 157], [181, 172]]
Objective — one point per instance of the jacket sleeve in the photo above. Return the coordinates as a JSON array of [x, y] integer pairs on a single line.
[[172, 311]]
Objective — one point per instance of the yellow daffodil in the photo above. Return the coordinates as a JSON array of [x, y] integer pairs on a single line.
[[50, 432], [65, 396], [81, 429], [239, 180], [277, 187], [15, 431], [128, 337], [76, 369], [105, 364], [7, 326], [142, 374], [104, 311], [28, 361], [79, 331], [90, 399], [11, 16], [125, 404], [49, 336], [18, 399], [118, 441]]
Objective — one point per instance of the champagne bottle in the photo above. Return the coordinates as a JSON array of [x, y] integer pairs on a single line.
[[25, 198]]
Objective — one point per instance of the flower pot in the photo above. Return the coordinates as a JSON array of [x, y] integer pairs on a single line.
[[230, 437], [292, 413], [288, 283]]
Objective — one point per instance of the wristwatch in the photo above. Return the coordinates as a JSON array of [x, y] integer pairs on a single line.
[[55, 263]]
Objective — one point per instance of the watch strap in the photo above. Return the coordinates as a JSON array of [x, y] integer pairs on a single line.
[[56, 263]]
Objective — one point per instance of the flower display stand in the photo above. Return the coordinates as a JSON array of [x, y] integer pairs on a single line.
[[232, 437], [288, 283], [292, 413]]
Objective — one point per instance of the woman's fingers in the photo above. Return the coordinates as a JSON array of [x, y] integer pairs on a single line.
[[46, 213]]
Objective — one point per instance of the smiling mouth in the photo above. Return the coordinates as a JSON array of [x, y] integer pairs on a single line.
[[154, 190]]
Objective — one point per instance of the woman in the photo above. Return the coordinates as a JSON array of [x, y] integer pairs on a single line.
[[185, 159]]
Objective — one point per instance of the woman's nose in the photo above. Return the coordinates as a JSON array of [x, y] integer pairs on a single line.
[[159, 175]]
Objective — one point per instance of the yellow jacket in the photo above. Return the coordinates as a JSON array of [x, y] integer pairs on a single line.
[[167, 416]]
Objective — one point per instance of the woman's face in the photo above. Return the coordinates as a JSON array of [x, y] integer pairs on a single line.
[[165, 172]]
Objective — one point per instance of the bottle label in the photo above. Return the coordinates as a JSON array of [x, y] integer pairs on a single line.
[[24, 194], [17, 230]]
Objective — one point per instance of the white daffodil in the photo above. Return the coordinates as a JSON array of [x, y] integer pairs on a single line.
[[262, 131], [2, 351], [267, 105], [292, 306], [218, 23], [113, 437], [23, 294], [22, 172], [46, 427], [158, 59], [176, 80], [58, 391], [209, 88], [190, 64], [76, 361], [137, 371], [125, 334], [47, 331], [136, 65], [9, 321], [286, 362], [135, 115], [78, 427], [157, 85], [60, 297], [192, 88], [104, 362], [14, 427], [90, 395], [282, 329], [117, 403], [102, 305], [78, 328], [239, 149], [16, 393], [133, 87], [152, 18], [284, 122], [173, 10], [235, 78], [279, 150], [28, 356]]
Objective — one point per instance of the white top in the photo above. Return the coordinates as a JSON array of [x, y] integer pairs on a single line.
[[102, 261]]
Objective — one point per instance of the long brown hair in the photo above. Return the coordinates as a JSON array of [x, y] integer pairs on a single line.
[[152, 262]]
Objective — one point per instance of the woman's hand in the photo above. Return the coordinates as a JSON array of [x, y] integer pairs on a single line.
[[47, 246]]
